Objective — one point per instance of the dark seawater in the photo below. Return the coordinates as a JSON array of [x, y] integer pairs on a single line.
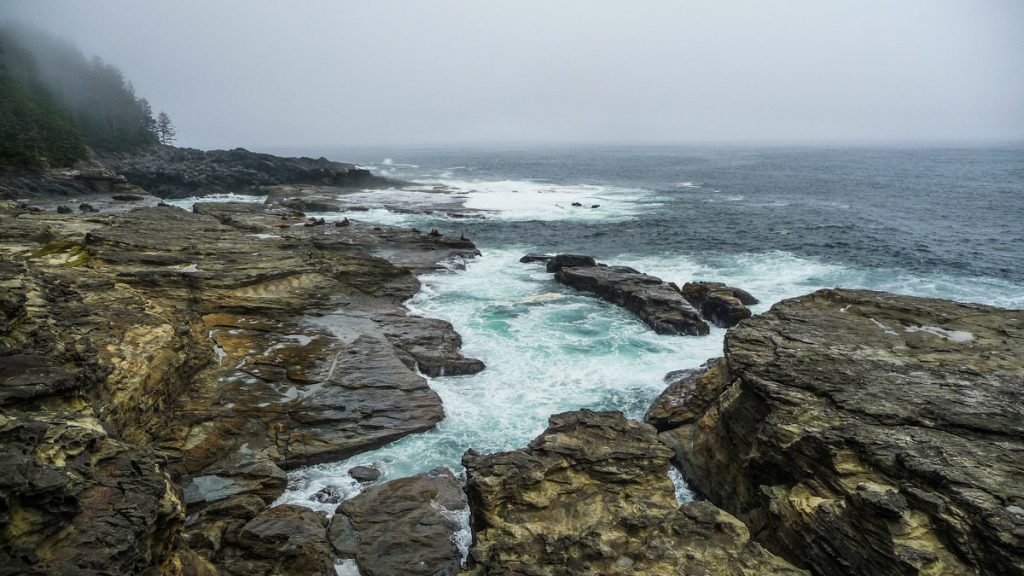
[[952, 211]]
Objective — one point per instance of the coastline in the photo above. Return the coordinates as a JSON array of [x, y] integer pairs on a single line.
[[192, 357]]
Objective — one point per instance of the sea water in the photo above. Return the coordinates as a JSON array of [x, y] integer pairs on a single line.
[[778, 222]]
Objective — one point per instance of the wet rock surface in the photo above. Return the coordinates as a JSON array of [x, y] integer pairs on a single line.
[[405, 526], [864, 433], [162, 368], [658, 304], [591, 495], [723, 306]]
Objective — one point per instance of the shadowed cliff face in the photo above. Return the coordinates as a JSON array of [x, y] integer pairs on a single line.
[[864, 433], [159, 363]]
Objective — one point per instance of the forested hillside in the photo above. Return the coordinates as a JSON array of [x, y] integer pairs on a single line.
[[54, 101]]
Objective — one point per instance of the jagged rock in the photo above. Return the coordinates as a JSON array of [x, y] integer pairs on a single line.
[[678, 401], [592, 495], [405, 526], [723, 305], [865, 433], [559, 261], [327, 495], [86, 207], [62, 209], [535, 258], [656, 303], [74, 501], [364, 473]]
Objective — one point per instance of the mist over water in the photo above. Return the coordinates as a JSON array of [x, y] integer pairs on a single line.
[[777, 222]]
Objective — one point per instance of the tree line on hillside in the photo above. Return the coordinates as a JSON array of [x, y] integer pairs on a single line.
[[55, 102]]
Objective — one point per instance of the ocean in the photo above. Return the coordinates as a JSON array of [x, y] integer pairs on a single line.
[[776, 221]]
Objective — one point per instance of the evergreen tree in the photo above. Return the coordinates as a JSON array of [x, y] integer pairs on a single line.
[[165, 129]]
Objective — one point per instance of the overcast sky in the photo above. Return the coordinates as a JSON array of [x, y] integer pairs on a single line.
[[262, 73]]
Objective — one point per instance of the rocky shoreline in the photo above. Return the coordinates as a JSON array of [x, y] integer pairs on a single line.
[[163, 368]]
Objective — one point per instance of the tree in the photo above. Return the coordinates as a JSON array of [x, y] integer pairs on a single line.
[[164, 129]]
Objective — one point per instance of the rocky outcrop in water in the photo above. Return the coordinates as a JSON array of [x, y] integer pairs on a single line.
[[864, 433], [405, 526], [591, 495], [161, 368], [658, 304], [723, 306], [171, 172]]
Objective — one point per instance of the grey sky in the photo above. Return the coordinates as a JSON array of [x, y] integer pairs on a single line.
[[262, 73]]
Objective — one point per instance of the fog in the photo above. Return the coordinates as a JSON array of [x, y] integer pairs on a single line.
[[328, 73]]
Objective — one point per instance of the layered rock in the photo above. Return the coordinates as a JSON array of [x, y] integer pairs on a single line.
[[170, 357], [171, 172], [864, 433], [591, 495], [656, 303], [405, 526], [724, 306]]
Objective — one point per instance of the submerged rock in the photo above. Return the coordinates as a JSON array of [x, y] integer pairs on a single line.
[[535, 258], [364, 473], [724, 306], [592, 495], [656, 303], [405, 526], [864, 433], [556, 263]]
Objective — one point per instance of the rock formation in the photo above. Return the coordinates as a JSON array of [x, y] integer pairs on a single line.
[[864, 433], [724, 306], [591, 495], [405, 526], [656, 303], [161, 368]]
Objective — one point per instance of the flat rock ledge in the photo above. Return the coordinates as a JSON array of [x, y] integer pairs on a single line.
[[657, 303], [592, 495], [863, 433]]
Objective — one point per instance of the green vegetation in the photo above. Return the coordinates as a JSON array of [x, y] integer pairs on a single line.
[[54, 102]]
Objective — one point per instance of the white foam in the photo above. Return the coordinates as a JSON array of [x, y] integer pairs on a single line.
[[522, 200], [954, 335], [187, 203]]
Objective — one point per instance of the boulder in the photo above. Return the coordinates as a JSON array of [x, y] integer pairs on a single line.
[[724, 306], [405, 526], [864, 433], [656, 303], [592, 495], [556, 263], [535, 258], [364, 473]]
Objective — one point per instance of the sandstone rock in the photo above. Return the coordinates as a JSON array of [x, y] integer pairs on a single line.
[[864, 433], [405, 526], [653, 301], [556, 263], [213, 348], [723, 305], [75, 501], [591, 495]]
